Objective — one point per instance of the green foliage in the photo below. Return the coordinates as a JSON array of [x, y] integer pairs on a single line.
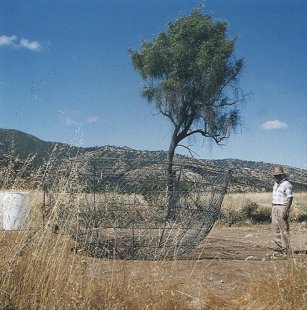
[[255, 213], [230, 217], [251, 213], [151, 189], [191, 76], [249, 209]]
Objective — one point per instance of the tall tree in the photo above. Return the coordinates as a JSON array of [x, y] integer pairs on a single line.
[[191, 76]]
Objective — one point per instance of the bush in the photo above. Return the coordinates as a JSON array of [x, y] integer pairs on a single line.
[[262, 215], [250, 213], [230, 217], [249, 209], [255, 213]]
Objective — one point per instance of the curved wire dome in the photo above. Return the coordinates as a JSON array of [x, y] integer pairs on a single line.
[[121, 210]]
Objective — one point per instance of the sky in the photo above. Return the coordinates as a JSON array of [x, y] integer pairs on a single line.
[[66, 74]]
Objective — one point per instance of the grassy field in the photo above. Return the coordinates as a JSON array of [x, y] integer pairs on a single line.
[[43, 270], [238, 201], [236, 209], [255, 208]]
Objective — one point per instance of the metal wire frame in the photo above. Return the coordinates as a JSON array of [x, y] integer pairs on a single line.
[[118, 206]]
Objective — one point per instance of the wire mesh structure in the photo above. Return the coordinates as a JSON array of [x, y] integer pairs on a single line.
[[118, 207]]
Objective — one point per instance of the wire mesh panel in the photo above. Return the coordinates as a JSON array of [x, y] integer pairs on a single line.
[[120, 208]]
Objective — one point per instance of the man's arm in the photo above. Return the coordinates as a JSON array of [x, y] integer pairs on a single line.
[[287, 208]]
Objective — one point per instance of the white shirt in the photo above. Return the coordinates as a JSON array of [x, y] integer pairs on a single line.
[[282, 192]]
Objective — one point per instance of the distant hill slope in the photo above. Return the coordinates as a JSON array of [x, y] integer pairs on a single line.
[[246, 175], [258, 175], [17, 143]]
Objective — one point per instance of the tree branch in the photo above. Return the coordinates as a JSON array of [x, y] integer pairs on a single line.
[[217, 138], [188, 148]]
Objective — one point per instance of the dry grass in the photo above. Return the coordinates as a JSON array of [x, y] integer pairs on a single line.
[[238, 200], [278, 291], [255, 208], [43, 273], [42, 270], [39, 270]]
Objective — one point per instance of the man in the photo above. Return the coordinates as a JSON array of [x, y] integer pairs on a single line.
[[281, 202]]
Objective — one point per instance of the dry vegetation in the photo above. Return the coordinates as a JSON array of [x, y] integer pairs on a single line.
[[43, 270], [40, 270], [255, 208], [285, 291]]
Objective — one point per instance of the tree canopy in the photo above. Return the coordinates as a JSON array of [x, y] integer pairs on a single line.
[[191, 76]]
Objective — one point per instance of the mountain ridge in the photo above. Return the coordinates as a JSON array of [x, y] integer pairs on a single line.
[[246, 175]]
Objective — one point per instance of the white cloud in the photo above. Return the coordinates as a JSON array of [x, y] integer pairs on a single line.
[[12, 41], [92, 119], [276, 124], [305, 166], [73, 118], [33, 46], [69, 121], [7, 41]]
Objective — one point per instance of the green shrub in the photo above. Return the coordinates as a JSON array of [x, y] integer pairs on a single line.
[[256, 213], [251, 213], [249, 209], [230, 217]]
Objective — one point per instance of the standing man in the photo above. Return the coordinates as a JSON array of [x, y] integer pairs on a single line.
[[281, 203]]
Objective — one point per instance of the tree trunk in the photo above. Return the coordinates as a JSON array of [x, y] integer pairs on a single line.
[[171, 176]]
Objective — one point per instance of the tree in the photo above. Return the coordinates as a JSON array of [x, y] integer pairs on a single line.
[[191, 76]]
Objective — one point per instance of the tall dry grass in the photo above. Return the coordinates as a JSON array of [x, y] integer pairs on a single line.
[[286, 290], [238, 200], [43, 270], [45, 274]]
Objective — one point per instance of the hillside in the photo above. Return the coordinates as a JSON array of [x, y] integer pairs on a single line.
[[258, 175], [246, 175], [22, 145]]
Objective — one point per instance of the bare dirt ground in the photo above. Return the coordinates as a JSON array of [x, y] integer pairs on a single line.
[[236, 255], [225, 262]]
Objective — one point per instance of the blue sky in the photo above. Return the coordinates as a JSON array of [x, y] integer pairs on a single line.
[[66, 75]]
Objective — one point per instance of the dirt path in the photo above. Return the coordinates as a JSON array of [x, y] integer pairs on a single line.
[[246, 243]]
